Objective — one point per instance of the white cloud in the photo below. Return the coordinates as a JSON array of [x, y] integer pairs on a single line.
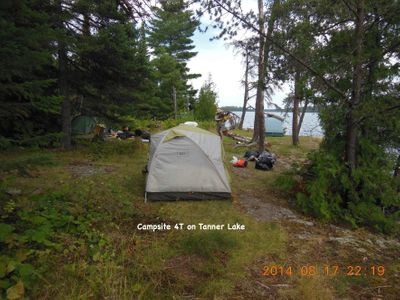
[[225, 68]]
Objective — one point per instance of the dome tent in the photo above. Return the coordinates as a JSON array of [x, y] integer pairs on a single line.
[[83, 125], [186, 162]]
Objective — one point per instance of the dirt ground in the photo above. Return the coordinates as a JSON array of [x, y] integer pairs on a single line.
[[310, 243]]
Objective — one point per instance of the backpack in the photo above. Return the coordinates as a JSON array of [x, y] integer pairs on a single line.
[[251, 154], [265, 161]]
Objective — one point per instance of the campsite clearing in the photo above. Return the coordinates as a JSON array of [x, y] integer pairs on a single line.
[[84, 240]]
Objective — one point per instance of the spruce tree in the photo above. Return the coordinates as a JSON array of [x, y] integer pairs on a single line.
[[28, 105], [170, 33], [102, 74], [206, 106]]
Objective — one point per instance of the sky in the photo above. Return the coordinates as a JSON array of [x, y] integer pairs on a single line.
[[226, 68]]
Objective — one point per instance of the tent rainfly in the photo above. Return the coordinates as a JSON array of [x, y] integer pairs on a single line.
[[186, 162], [83, 125]]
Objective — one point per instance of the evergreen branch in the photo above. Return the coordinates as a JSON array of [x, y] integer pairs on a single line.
[[391, 48], [73, 26], [283, 49], [386, 110], [350, 8], [91, 20], [323, 30]]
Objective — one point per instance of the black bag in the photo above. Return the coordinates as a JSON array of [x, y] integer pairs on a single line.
[[145, 135], [265, 161], [251, 154], [124, 135]]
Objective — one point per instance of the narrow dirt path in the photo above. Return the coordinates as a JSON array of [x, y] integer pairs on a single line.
[[310, 243]]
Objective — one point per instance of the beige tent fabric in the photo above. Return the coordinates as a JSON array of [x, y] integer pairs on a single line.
[[186, 159]]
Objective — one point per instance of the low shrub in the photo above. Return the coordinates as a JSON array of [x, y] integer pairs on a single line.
[[369, 196], [29, 234]]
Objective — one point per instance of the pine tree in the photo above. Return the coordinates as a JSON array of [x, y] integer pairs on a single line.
[[298, 35], [170, 36], [28, 105], [168, 77], [206, 106], [103, 72]]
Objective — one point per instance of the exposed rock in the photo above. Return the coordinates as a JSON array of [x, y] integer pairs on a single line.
[[369, 241], [13, 192], [304, 236], [344, 240], [393, 243], [362, 250], [307, 223], [381, 243], [267, 211]]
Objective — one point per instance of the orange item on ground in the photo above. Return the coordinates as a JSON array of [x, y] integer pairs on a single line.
[[241, 163]]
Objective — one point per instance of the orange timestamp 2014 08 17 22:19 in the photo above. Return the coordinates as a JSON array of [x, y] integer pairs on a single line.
[[326, 270]]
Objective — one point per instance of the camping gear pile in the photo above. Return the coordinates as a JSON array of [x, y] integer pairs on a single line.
[[186, 162], [127, 134], [99, 133], [264, 161], [90, 127]]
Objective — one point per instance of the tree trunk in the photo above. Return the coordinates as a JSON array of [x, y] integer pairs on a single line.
[[259, 121], [303, 113], [259, 126], [296, 104], [351, 126], [86, 25], [246, 90], [64, 90]]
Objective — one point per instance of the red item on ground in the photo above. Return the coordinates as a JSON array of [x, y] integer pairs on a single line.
[[241, 163]]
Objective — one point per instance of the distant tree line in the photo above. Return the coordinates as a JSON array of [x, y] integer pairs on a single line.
[[240, 108]]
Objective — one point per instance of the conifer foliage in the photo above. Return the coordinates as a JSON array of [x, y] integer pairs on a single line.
[[64, 58], [27, 74], [170, 33], [206, 106]]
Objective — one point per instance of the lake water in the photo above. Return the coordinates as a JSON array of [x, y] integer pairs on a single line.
[[310, 127]]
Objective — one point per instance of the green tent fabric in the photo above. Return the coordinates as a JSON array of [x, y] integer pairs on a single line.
[[83, 125], [274, 126], [186, 162]]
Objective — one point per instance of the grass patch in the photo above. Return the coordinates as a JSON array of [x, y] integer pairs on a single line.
[[72, 233], [111, 148], [207, 245], [100, 253], [224, 255], [27, 161]]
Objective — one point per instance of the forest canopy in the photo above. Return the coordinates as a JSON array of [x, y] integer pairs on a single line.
[[107, 59]]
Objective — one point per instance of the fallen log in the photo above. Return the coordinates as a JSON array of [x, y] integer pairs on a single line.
[[239, 138], [247, 141]]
